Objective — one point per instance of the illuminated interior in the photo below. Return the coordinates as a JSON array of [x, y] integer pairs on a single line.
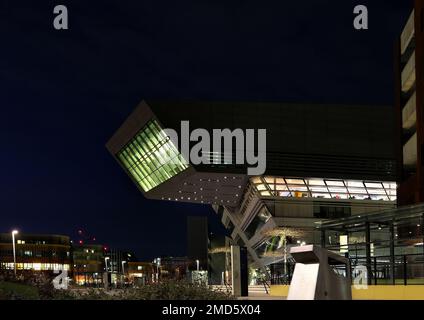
[[151, 158], [325, 188], [34, 266]]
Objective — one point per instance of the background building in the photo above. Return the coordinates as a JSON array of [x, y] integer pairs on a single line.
[[88, 264], [323, 162], [409, 93], [117, 262], [140, 273], [219, 262], [176, 268], [212, 251], [35, 253], [198, 240]]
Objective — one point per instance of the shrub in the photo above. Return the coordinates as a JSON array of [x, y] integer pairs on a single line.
[[40, 287], [169, 290]]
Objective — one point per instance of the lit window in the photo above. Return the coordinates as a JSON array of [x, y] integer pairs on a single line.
[[265, 193], [373, 185], [254, 180], [151, 158], [334, 183], [325, 188], [315, 182], [295, 181], [36, 266], [269, 180], [281, 188]]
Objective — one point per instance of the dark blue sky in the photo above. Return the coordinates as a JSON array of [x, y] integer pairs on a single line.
[[64, 93]]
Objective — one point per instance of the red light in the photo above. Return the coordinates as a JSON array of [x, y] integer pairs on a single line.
[[94, 239], [80, 242]]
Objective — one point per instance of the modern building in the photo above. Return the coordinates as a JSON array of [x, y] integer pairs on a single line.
[[175, 268], [88, 264], [208, 251], [219, 259], [323, 162], [198, 240], [409, 93], [140, 273], [35, 252], [116, 264]]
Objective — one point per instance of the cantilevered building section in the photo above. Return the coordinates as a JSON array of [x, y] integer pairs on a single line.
[[409, 75], [323, 162]]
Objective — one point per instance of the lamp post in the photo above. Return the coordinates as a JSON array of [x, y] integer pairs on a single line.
[[198, 264], [14, 250], [106, 280], [157, 263], [123, 262], [123, 272], [106, 259]]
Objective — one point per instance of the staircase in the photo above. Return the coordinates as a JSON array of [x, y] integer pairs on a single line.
[[255, 290], [258, 290]]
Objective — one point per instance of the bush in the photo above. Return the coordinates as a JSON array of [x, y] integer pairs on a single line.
[[175, 290], [40, 287], [169, 290]]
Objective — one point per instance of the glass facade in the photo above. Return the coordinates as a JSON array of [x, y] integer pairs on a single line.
[[270, 247], [389, 244], [325, 188], [151, 158]]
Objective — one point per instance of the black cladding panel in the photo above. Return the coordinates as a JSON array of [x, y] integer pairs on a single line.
[[313, 140]]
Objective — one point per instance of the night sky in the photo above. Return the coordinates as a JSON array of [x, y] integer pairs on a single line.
[[64, 93]]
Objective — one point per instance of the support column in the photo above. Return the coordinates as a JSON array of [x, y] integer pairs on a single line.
[[422, 230], [322, 238], [392, 253], [239, 272], [368, 251]]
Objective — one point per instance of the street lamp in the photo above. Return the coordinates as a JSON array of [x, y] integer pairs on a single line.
[[106, 276], [106, 259], [14, 249], [157, 263], [123, 273], [198, 264], [123, 262]]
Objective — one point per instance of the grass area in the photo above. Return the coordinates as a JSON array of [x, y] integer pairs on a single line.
[[10, 290]]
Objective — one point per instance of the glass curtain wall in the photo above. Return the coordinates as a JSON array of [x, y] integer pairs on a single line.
[[151, 158]]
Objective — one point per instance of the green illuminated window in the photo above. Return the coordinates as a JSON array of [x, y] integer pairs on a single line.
[[151, 158]]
